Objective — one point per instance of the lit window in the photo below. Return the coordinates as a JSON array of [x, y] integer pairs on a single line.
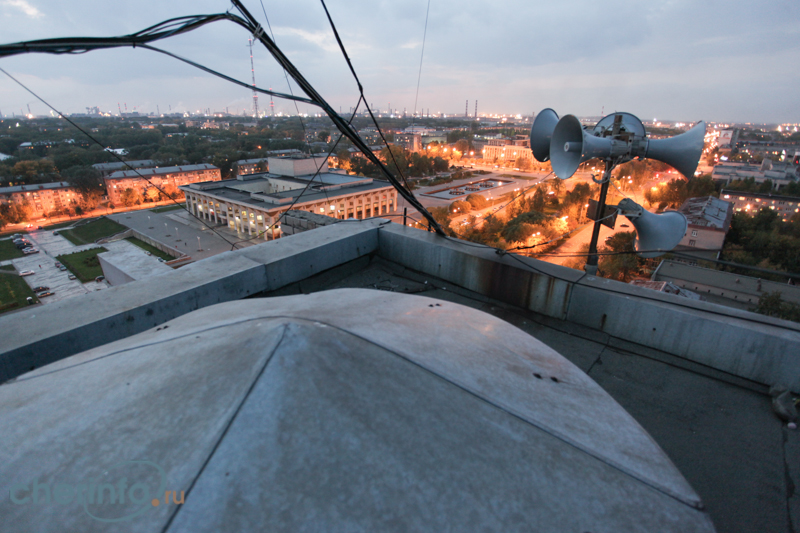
[[694, 233]]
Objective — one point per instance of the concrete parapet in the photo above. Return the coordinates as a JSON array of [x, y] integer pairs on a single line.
[[756, 347], [296, 221], [41, 335], [759, 348]]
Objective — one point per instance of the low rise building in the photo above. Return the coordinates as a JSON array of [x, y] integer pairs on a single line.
[[709, 220], [753, 202], [253, 203], [163, 178], [260, 164], [780, 174], [503, 150], [41, 198], [724, 288], [409, 141]]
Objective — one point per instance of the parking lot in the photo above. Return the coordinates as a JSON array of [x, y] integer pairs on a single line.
[[46, 274]]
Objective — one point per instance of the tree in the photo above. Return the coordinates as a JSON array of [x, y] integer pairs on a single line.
[[477, 201], [324, 136], [89, 200], [439, 164], [518, 232], [83, 178], [623, 265], [129, 197], [343, 157], [40, 171], [460, 207], [772, 304], [395, 158]]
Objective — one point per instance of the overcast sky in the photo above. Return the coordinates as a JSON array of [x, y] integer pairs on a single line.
[[716, 60]]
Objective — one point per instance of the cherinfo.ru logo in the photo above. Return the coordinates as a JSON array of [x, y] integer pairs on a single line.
[[125, 491]]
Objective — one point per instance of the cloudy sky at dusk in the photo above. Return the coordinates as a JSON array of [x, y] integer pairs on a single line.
[[675, 59]]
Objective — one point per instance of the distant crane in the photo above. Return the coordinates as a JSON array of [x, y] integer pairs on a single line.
[[29, 109], [253, 73], [120, 109], [271, 105]]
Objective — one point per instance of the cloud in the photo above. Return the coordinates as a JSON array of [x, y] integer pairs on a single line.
[[323, 39], [25, 7]]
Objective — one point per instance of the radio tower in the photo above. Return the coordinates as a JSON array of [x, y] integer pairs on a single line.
[[466, 109], [476, 110], [253, 72], [271, 105]]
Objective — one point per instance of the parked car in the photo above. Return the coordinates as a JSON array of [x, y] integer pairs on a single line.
[[45, 293], [72, 276], [30, 300], [41, 288], [55, 233], [58, 264], [39, 227], [16, 236], [99, 278], [29, 251], [27, 273], [62, 268]]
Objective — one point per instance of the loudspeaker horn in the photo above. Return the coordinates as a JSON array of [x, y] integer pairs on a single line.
[[654, 232], [681, 152], [571, 145], [541, 133]]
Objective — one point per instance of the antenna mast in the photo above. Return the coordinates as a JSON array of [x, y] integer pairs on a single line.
[[253, 72]]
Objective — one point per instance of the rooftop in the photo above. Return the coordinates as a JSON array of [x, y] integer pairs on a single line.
[[122, 174], [120, 165], [406, 404], [736, 194], [35, 187], [260, 189], [708, 211]]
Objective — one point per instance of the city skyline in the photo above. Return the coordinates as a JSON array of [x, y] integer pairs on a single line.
[[672, 62]]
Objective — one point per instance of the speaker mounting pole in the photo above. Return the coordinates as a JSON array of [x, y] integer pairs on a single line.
[[591, 261]]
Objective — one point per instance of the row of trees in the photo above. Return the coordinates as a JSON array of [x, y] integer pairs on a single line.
[[676, 191], [398, 160], [764, 240]]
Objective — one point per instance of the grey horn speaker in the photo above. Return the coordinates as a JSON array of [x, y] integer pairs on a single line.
[[681, 152], [571, 146], [654, 232], [541, 133]]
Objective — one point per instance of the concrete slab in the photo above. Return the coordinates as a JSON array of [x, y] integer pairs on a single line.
[[722, 437], [297, 413], [717, 428]]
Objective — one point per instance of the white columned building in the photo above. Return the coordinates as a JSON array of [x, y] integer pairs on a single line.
[[252, 204]]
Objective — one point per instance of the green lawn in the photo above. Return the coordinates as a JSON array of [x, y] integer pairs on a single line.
[[8, 268], [152, 249], [85, 265], [89, 233], [9, 251], [66, 224], [13, 292], [519, 177], [168, 208]]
